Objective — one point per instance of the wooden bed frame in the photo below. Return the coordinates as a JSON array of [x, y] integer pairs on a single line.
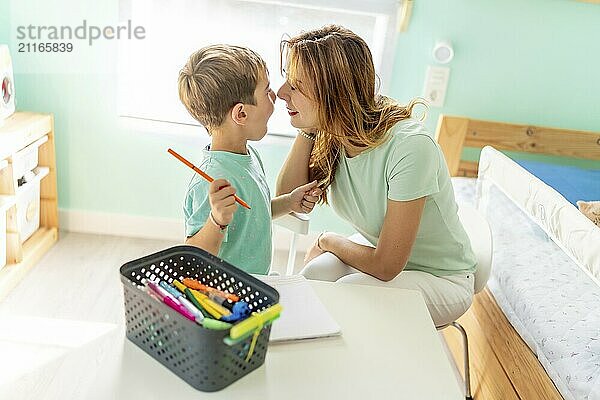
[[455, 133], [502, 365]]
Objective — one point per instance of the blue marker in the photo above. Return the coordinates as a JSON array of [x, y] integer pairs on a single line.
[[239, 311]]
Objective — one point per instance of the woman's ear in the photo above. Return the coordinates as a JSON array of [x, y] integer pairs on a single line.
[[239, 114]]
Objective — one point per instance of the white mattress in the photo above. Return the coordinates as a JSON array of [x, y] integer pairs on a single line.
[[545, 271]]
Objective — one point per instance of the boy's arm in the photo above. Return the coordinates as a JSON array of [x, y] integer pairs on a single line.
[[301, 200], [209, 237], [280, 205], [222, 207]]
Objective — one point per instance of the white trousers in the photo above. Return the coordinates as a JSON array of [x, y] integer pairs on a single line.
[[446, 297]]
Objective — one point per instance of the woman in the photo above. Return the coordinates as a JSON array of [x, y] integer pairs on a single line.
[[379, 169]]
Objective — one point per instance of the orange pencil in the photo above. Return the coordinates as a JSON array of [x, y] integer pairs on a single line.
[[204, 174]]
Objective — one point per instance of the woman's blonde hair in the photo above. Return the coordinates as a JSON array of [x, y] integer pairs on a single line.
[[351, 115]]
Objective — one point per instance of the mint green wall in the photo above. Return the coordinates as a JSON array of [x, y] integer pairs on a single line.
[[528, 62], [531, 62]]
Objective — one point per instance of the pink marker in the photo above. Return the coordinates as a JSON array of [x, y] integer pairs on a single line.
[[170, 301], [179, 308]]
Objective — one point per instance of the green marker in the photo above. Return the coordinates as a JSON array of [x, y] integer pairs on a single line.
[[202, 319]]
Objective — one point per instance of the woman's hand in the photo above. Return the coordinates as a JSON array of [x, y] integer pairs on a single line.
[[317, 248], [304, 198]]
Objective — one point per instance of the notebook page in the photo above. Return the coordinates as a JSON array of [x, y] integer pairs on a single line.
[[304, 316]]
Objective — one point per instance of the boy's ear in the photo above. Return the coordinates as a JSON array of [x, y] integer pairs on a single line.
[[239, 114]]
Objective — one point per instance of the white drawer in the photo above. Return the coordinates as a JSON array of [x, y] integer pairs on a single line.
[[27, 199], [26, 160], [28, 209]]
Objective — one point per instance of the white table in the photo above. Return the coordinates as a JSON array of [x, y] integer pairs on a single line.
[[389, 348]]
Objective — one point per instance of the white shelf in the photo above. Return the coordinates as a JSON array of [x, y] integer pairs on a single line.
[[21, 130]]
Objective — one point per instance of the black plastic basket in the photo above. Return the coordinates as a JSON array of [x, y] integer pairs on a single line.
[[195, 354]]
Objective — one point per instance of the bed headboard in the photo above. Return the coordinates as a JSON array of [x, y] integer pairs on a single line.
[[453, 133]]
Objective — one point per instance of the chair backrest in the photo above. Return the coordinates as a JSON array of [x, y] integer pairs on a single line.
[[480, 236]]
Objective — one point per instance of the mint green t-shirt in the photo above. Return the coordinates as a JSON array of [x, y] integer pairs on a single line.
[[408, 166], [247, 242]]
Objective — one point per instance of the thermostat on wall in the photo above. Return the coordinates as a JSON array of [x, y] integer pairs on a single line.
[[436, 83], [7, 100]]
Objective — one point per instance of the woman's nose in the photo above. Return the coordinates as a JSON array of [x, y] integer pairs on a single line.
[[282, 93]]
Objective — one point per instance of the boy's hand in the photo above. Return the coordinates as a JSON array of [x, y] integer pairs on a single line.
[[303, 198], [222, 202]]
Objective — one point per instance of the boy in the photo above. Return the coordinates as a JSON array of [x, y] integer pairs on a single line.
[[226, 89]]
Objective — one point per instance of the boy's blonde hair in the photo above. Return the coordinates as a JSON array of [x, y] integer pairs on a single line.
[[216, 78]]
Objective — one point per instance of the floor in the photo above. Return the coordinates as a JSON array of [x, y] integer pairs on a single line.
[[70, 299]]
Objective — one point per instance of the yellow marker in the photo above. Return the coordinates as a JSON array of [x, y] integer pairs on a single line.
[[255, 321], [214, 309], [179, 285]]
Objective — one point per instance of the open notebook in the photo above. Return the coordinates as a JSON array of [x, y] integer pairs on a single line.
[[304, 316]]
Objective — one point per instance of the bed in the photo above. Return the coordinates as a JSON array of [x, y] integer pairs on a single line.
[[540, 315]]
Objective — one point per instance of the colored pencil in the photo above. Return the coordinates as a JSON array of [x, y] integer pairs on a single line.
[[203, 174]]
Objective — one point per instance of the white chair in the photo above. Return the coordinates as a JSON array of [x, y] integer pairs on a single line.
[[298, 224], [480, 235]]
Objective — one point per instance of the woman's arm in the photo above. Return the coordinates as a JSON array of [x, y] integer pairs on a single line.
[[397, 237], [294, 172]]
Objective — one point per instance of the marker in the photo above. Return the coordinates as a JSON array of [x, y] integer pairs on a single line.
[[194, 284], [195, 301], [162, 293], [250, 324], [214, 324], [240, 311], [179, 297], [206, 322], [213, 296], [169, 300], [203, 174], [198, 300], [222, 301], [179, 285], [214, 309], [183, 306], [179, 308]]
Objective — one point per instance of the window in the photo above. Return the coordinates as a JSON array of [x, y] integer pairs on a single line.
[[148, 68]]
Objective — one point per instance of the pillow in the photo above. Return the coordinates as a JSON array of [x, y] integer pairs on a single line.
[[590, 209]]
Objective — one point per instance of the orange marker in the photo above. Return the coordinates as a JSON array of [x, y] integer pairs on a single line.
[[194, 284], [204, 175]]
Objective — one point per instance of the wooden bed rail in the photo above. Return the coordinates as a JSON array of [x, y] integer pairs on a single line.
[[453, 133]]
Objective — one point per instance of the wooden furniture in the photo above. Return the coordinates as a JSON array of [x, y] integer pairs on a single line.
[[389, 349], [502, 364], [454, 133], [19, 131]]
